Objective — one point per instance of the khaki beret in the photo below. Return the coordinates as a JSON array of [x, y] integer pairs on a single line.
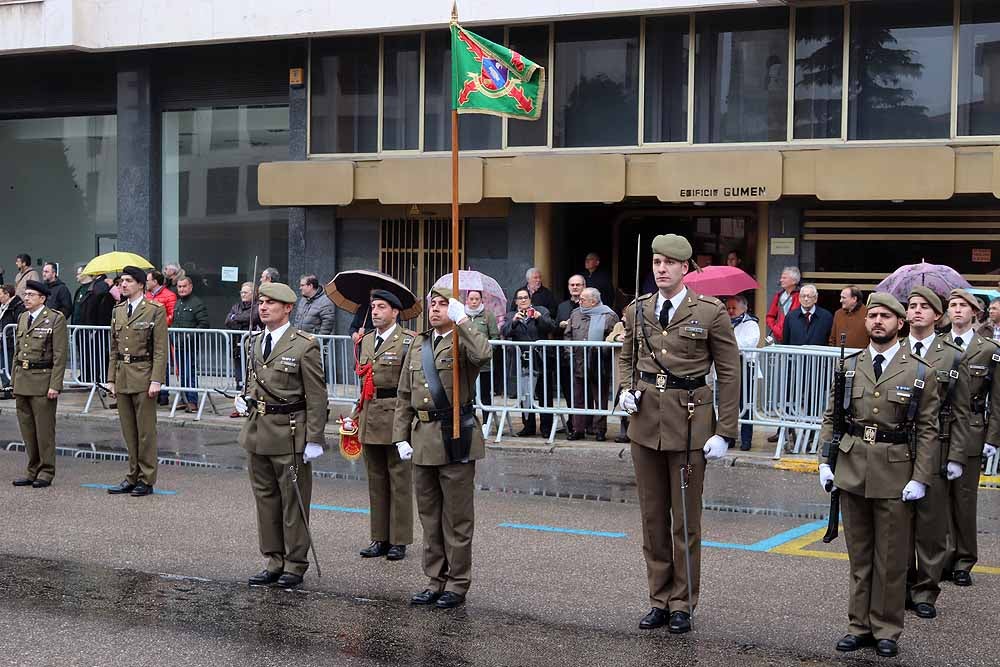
[[966, 296], [278, 292], [443, 292], [672, 246], [886, 300], [928, 294]]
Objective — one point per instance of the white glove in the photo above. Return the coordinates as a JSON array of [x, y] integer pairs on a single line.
[[629, 401], [715, 448], [955, 470], [405, 451], [456, 311], [826, 477], [914, 490], [241, 405], [989, 450], [313, 451]]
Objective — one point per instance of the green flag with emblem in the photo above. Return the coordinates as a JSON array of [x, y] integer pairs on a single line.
[[490, 78]]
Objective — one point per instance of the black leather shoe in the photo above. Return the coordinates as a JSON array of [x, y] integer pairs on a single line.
[[925, 610], [23, 481], [265, 578], [449, 600], [772, 438], [621, 438], [962, 578], [601, 437], [853, 642], [680, 622], [41, 483], [141, 489], [575, 435], [654, 619], [124, 487], [375, 550], [426, 596], [396, 552], [745, 447], [525, 433], [887, 648], [289, 580]]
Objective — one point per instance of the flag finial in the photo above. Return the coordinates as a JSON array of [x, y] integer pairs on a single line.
[[454, 12]]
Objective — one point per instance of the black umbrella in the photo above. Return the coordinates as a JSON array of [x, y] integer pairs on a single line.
[[351, 290]]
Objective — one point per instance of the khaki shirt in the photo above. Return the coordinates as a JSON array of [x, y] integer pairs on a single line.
[[700, 333], [414, 394], [142, 335], [970, 434], [941, 355], [46, 341], [376, 419]]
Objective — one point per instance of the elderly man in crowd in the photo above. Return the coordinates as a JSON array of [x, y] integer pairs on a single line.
[[592, 321], [574, 285], [314, 313], [539, 294], [172, 274], [747, 331], [783, 302], [808, 324], [991, 327], [850, 319], [269, 275]]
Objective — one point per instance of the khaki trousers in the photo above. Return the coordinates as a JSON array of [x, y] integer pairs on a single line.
[[36, 416], [963, 492], [877, 531], [137, 414], [445, 505], [658, 478], [281, 530], [390, 494], [930, 542]]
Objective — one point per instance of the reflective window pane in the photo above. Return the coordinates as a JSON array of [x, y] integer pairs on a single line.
[[819, 72], [665, 115], [533, 43], [401, 93], [475, 131], [344, 95], [900, 70], [741, 76], [979, 68], [596, 83]]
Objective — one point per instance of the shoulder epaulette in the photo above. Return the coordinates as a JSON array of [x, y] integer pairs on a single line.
[[853, 354], [306, 335], [923, 361], [121, 304], [709, 299], [155, 303], [951, 344]]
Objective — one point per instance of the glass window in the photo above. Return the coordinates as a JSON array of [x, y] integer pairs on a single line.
[[596, 83], [819, 72], [741, 76], [665, 115], [210, 214], [900, 70], [344, 95], [979, 68], [401, 93], [60, 189], [533, 43], [475, 131]]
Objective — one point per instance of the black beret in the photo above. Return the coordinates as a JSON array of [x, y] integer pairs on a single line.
[[37, 286], [138, 274], [388, 297]]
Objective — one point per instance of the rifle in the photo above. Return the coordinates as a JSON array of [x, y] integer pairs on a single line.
[[833, 448]]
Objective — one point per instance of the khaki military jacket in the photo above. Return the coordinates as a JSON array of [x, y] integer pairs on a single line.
[[142, 335], [700, 333], [375, 421], [414, 395], [941, 355], [293, 372], [970, 434], [882, 469], [45, 341]]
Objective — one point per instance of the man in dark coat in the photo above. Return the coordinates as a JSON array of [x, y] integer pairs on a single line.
[[809, 324], [59, 297]]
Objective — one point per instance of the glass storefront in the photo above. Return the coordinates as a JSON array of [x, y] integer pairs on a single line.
[[344, 90], [666, 71], [979, 68], [533, 42], [819, 72]]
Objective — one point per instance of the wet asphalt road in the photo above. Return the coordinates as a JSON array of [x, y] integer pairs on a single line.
[[90, 579]]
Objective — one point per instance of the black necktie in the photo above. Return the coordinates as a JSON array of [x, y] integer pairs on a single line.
[[917, 348], [437, 339], [129, 310], [378, 342], [665, 313], [267, 346], [960, 342], [878, 365], [31, 320]]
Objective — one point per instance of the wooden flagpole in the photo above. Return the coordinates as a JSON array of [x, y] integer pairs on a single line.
[[456, 386]]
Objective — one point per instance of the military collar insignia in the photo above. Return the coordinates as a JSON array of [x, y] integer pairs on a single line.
[[407, 340]]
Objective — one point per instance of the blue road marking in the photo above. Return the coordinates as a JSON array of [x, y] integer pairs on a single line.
[[158, 492], [771, 542], [567, 531], [337, 508]]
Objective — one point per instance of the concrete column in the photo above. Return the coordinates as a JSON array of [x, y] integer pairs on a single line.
[[138, 159], [543, 242], [298, 122]]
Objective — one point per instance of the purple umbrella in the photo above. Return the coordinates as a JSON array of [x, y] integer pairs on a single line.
[[493, 295], [938, 277]]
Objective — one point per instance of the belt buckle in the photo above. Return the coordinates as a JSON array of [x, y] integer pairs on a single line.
[[261, 408], [661, 381], [25, 364], [423, 415], [127, 358], [871, 432]]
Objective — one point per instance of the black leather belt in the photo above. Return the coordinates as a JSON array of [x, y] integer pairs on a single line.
[[872, 434], [438, 415], [29, 365], [262, 408], [133, 358], [388, 392], [670, 381]]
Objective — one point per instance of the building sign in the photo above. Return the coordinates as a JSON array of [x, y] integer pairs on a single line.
[[783, 246], [982, 255], [720, 176], [230, 274]]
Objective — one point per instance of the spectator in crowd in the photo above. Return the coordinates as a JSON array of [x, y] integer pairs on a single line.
[[734, 259], [24, 273], [540, 295], [784, 301], [747, 331], [575, 285], [809, 324], [156, 290], [617, 335], [592, 321], [484, 320], [189, 313], [991, 328], [59, 296], [269, 275], [81, 293], [314, 313], [95, 311], [11, 308], [598, 278], [850, 319], [172, 274], [528, 323], [242, 317]]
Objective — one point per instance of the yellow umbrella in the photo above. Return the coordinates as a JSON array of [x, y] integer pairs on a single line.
[[114, 262]]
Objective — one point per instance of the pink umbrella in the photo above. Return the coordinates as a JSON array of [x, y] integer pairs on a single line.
[[493, 296], [720, 281]]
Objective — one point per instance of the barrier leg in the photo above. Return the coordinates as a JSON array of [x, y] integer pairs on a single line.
[[90, 399], [173, 406], [780, 448]]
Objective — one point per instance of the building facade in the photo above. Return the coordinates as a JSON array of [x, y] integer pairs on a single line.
[[845, 138]]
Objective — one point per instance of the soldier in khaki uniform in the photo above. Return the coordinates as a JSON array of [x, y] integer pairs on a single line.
[[444, 468], [287, 404], [886, 459], [672, 342], [41, 346], [931, 513], [137, 367], [390, 476], [978, 375]]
